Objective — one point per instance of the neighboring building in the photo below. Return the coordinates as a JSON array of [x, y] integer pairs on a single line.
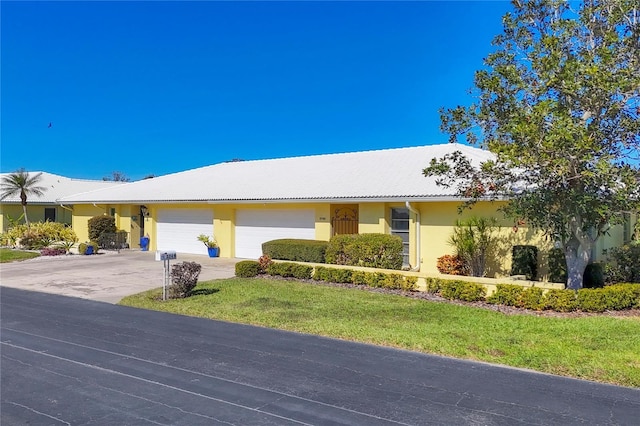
[[315, 197], [46, 206]]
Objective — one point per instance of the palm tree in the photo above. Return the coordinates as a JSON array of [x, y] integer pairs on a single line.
[[21, 183]]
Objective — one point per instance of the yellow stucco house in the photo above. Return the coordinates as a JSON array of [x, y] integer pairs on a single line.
[[45, 207], [246, 203]]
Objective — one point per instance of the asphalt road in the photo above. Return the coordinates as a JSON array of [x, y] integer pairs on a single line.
[[69, 361]]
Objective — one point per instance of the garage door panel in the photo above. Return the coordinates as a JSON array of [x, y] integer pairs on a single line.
[[178, 229], [254, 227]]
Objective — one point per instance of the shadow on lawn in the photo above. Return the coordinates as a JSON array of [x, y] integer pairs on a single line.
[[204, 291]]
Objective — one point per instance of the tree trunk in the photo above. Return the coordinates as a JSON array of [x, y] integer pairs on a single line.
[[26, 219], [577, 255]]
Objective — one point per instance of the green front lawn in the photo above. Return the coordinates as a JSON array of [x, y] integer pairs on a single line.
[[599, 348], [9, 255]]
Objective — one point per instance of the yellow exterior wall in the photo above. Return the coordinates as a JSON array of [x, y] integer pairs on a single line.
[[323, 222], [81, 215], [373, 218], [35, 212], [437, 221], [224, 217], [437, 225]]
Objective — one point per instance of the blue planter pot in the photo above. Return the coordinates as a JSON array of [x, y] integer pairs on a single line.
[[213, 251]]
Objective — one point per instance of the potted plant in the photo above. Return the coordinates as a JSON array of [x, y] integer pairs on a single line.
[[211, 244]]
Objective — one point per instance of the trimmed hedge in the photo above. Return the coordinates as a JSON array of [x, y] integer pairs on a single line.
[[289, 269], [333, 275], [371, 279], [515, 295], [462, 290], [382, 251], [610, 298], [296, 250], [247, 269]]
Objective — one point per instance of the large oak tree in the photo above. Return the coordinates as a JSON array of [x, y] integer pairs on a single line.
[[558, 102]]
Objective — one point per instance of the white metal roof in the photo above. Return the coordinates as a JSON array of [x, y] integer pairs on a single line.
[[388, 174], [58, 187]]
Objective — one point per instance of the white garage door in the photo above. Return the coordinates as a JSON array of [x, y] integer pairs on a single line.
[[178, 229], [254, 227]]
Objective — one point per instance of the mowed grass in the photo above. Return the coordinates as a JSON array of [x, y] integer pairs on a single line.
[[599, 348], [9, 255]]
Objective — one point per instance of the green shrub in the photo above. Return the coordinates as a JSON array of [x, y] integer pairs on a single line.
[[370, 250], [288, 269], [593, 276], [623, 264], [524, 261], [623, 296], [462, 290], [321, 273], [184, 278], [557, 266], [409, 284], [515, 295], [393, 281], [375, 279], [532, 298], [296, 250], [247, 269], [506, 294], [433, 285], [560, 300], [99, 225], [82, 248], [359, 277], [592, 300], [610, 298], [334, 275]]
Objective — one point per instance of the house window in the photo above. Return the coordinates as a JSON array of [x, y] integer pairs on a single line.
[[49, 214], [400, 227], [112, 212]]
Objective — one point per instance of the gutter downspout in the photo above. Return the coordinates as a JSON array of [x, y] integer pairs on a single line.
[[417, 213]]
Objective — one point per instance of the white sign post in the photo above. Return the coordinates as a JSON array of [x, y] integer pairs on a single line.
[[166, 256]]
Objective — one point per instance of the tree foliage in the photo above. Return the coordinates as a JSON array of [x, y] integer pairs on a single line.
[[117, 176], [558, 102], [21, 183]]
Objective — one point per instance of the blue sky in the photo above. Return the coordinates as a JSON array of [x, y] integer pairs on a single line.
[[160, 87]]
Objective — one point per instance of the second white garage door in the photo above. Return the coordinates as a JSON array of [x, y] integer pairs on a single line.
[[254, 227], [178, 229]]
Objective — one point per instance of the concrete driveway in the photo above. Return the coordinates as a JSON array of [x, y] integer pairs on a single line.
[[106, 277]]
